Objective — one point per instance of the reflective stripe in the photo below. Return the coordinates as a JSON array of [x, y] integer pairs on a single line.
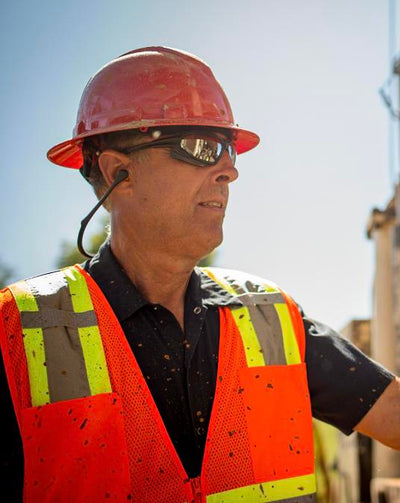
[[224, 284], [259, 298], [36, 361], [92, 346], [80, 297], [24, 297], [267, 325], [241, 315], [96, 364], [264, 344], [62, 341], [300, 489], [65, 364], [289, 338], [34, 346], [50, 317], [252, 348]]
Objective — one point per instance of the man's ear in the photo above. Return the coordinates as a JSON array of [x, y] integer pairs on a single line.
[[110, 163]]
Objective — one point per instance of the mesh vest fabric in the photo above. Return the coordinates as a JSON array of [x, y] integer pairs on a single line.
[[259, 442]]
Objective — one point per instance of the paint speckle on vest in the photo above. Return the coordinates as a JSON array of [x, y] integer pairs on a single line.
[[269, 385], [83, 424], [240, 390], [262, 489]]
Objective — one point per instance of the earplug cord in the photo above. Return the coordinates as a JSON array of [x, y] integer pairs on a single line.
[[121, 175]]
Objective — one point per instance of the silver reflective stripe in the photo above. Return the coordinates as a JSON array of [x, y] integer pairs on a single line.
[[65, 363], [266, 298], [269, 332], [51, 317]]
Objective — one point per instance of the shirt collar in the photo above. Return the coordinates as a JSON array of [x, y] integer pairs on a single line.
[[125, 299], [122, 295]]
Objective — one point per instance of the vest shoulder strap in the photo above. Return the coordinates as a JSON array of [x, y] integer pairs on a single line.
[[62, 342], [269, 321]]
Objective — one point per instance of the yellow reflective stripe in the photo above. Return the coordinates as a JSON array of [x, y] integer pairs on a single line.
[[36, 361], [271, 287], [277, 490], [252, 348], [95, 360], [92, 345], [289, 338], [254, 354], [246, 328], [80, 296], [24, 297], [34, 346], [225, 285]]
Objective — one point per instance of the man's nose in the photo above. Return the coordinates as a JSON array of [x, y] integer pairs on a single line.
[[225, 171]]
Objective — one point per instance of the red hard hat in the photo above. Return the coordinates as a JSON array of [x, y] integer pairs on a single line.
[[150, 87]]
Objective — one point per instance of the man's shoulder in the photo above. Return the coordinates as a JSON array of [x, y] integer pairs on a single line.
[[239, 286], [41, 284], [245, 280]]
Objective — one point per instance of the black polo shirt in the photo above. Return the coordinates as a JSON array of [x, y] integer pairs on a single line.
[[181, 368]]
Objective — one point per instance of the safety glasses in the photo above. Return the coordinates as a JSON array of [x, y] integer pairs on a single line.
[[195, 149]]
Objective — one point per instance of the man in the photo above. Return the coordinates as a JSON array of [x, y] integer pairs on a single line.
[[141, 377]]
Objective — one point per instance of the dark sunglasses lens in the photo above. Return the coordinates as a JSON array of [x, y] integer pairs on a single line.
[[202, 149]]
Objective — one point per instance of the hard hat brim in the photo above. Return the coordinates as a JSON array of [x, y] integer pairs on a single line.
[[69, 153]]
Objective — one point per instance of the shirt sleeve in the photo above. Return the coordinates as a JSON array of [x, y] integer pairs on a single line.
[[344, 383]]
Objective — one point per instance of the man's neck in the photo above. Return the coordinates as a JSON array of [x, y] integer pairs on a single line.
[[160, 278]]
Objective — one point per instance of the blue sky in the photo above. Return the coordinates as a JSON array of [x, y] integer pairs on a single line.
[[303, 75]]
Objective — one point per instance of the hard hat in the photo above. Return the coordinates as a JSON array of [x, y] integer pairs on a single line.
[[150, 87]]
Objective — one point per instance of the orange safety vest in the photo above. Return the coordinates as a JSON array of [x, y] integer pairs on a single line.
[[91, 430]]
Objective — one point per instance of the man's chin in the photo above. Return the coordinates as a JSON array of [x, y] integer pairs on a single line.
[[209, 245]]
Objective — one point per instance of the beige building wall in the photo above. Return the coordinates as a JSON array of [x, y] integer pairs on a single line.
[[349, 480], [384, 343]]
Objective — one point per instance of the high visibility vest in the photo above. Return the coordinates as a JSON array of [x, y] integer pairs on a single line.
[[91, 430]]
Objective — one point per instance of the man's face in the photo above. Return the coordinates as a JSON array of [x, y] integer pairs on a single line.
[[176, 206]]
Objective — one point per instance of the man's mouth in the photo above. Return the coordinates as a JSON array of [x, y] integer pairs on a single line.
[[212, 204]]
